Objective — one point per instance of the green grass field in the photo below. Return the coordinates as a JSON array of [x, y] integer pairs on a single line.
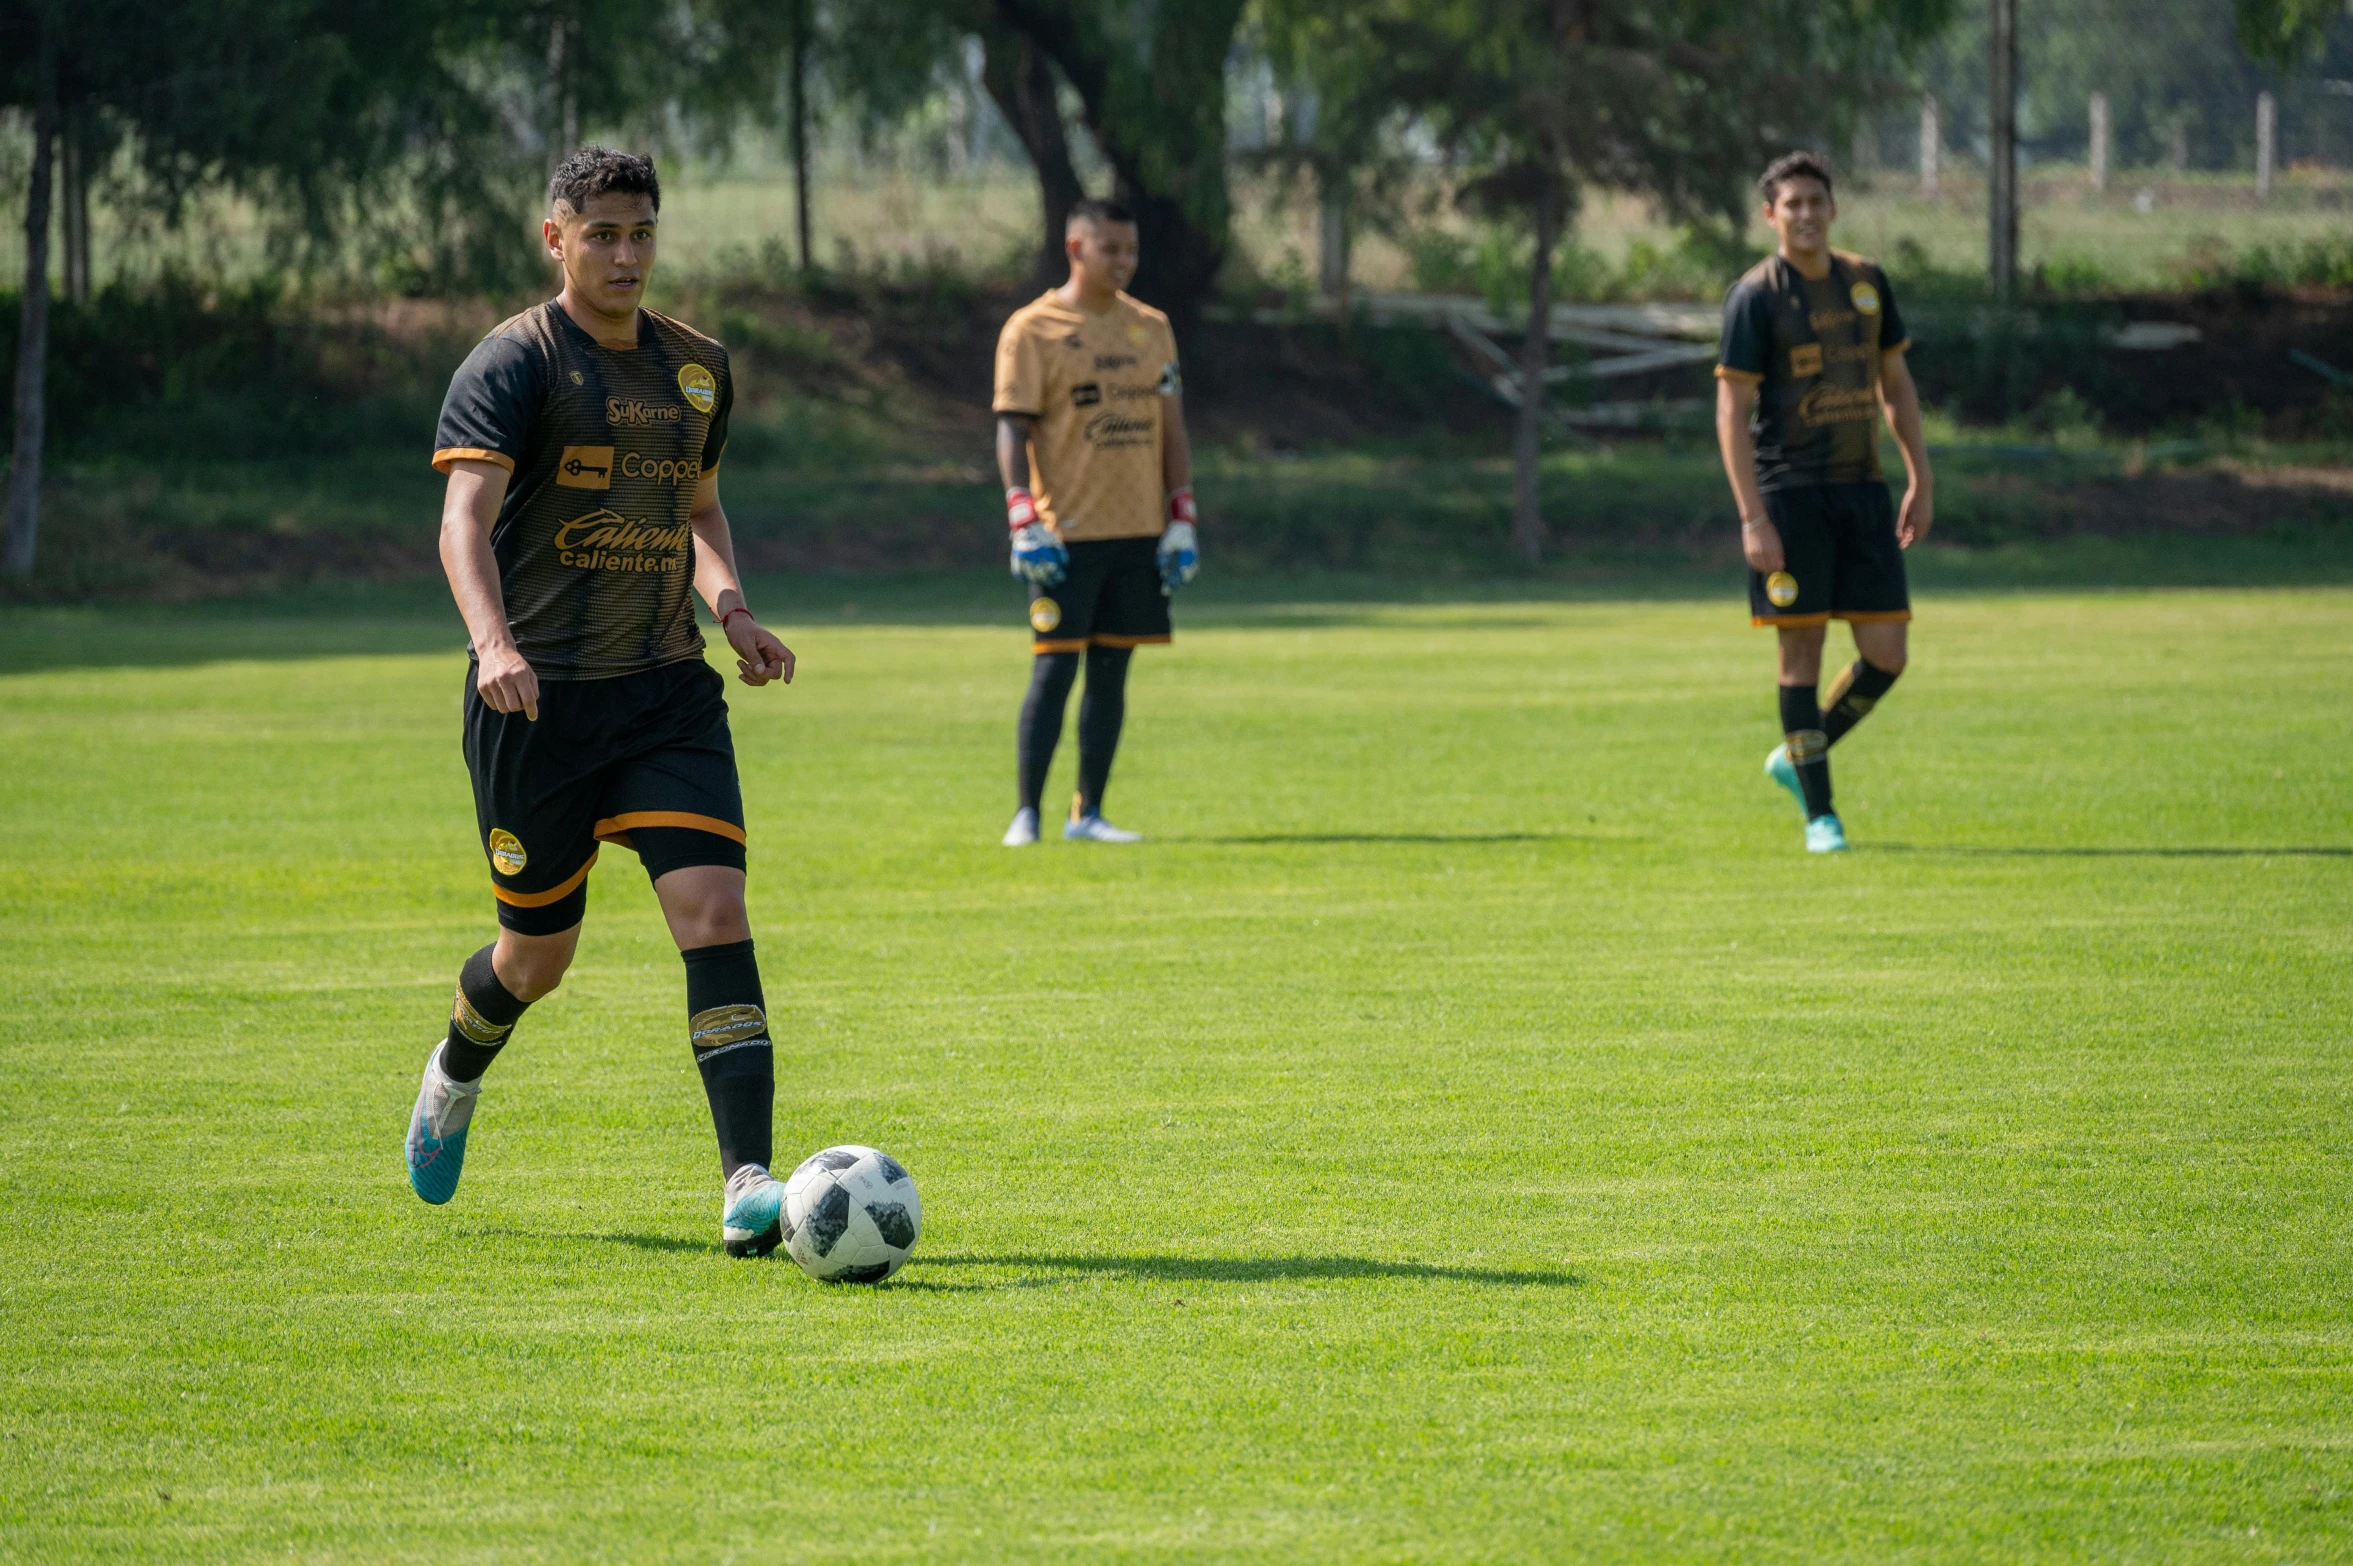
[[1469, 1130]]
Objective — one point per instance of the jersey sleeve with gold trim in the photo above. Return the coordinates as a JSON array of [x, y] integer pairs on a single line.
[[486, 416]]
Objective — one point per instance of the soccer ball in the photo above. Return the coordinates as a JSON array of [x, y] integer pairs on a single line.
[[851, 1215]]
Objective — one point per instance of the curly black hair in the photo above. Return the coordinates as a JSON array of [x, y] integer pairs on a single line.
[[600, 171], [1792, 165]]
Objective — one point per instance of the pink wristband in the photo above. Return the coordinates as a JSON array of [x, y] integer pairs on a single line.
[[1021, 508]]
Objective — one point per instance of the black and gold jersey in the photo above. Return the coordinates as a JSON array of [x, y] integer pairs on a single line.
[[1812, 347], [604, 447]]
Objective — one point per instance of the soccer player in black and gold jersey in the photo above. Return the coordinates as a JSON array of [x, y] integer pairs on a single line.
[[1812, 360], [582, 441]]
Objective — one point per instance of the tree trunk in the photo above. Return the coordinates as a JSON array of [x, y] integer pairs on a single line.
[[1020, 79], [1156, 106], [798, 89], [1331, 234], [32, 345], [73, 168], [1527, 500]]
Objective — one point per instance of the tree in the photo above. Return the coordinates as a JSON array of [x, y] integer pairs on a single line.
[[1152, 80], [309, 107], [1534, 102]]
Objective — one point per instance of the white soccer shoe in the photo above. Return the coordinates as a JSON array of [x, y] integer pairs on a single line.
[[1094, 829], [437, 1130], [751, 1216], [1024, 830]]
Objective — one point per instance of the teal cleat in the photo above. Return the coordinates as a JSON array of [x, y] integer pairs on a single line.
[[1824, 835], [752, 1221], [437, 1131], [1779, 768]]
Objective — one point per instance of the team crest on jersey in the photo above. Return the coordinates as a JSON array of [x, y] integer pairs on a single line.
[[1781, 587], [1866, 298], [578, 379], [700, 386], [1136, 334], [506, 852], [1044, 615]]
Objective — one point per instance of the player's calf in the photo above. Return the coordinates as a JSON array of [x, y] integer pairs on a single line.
[[1857, 690], [727, 1027], [482, 1017]]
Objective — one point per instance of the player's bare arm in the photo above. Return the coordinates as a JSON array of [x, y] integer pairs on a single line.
[[1760, 544], [468, 508], [759, 656], [1013, 431], [1899, 398]]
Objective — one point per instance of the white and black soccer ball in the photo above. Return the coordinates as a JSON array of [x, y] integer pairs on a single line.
[[851, 1215]]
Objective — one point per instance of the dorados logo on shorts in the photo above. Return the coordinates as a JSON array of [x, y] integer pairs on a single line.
[[585, 467], [1866, 298], [701, 387], [1044, 615], [506, 852], [1781, 587]]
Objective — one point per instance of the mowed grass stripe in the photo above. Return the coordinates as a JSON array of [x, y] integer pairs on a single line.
[[1470, 1130]]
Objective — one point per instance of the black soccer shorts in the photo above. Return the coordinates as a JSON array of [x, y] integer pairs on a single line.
[[1840, 558], [644, 760], [1111, 597]]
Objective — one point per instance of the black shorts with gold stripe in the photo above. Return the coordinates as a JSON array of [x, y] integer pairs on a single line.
[[1840, 558], [644, 760], [1110, 597]]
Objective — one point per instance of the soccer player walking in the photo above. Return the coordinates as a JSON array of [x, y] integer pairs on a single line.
[[1812, 359], [1099, 495], [582, 441]]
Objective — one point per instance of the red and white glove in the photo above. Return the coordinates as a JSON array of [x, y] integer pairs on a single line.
[[1038, 556], [1021, 508]]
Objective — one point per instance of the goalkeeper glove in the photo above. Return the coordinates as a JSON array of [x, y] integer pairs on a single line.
[[1038, 556], [1179, 555]]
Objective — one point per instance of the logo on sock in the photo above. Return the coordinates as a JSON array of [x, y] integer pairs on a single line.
[[1044, 615], [506, 852], [723, 1025], [473, 1024], [1781, 587]]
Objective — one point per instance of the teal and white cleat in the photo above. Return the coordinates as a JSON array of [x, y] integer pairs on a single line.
[[752, 1221], [437, 1131], [1024, 830], [1094, 829], [1824, 835], [1783, 771]]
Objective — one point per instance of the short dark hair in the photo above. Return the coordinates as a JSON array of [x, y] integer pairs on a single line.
[[1792, 165], [1096, 210], [600, 171]]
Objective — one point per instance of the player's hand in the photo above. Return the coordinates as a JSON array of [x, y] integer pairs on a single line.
[[1760, 541], [1038, 556], [1179, 555], [506, 682], [759, 656], [1917, 516]]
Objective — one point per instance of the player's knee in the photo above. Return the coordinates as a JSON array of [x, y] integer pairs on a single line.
[[713, 918], [533, 975]]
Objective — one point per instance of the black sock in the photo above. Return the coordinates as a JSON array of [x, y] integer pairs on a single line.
[[1050, 679], [1809, 750], [1852, 696], [1101, 711], [727, 1024], [479, 1019]]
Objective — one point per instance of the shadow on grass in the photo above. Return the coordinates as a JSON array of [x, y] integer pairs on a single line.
[[1257, 1269], [1265, 838], [1995, 851]]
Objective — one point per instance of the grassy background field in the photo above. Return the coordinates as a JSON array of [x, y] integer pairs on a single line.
[[1469, 1130]]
